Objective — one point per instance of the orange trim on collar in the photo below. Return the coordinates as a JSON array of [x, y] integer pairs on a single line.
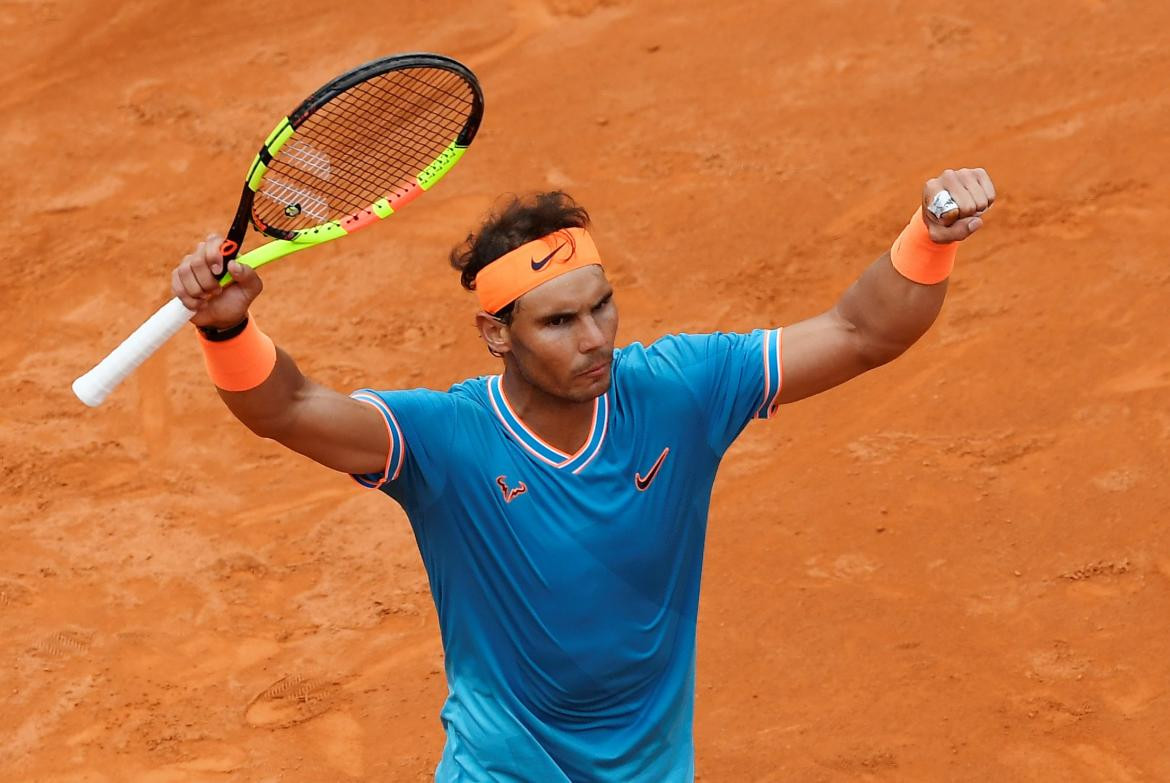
[[518, 271]]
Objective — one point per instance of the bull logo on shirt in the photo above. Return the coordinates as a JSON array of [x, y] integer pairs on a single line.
[[510, 493]]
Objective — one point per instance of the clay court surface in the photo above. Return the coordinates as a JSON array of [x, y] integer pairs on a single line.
[[955, 568]]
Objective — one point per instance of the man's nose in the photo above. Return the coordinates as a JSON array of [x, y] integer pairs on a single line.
[[591, 337]]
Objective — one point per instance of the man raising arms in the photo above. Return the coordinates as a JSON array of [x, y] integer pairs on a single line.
[[560, 507]]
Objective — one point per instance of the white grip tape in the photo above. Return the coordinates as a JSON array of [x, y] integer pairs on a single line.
[[93, 387]]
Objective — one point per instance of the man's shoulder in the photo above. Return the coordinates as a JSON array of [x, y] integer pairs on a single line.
[[654, 366], [662, 352], [465, 395], [470, 390], [685, 359]]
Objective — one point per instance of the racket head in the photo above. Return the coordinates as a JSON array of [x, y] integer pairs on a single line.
[[360, 148]]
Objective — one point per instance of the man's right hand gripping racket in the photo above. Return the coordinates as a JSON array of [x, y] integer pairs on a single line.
[[353, 153]]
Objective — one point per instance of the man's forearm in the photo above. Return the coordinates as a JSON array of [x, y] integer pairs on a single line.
[[888, 311], [269, 409], [261, 384], [897, 297]]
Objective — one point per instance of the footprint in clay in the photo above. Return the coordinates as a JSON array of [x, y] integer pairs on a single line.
[[291, 700]]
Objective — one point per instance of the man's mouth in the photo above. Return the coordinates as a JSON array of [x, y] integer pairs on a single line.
[[596, 370]]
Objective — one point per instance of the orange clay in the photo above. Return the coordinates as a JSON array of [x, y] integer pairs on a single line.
[[918, 258], [518, 271], [241, 363]]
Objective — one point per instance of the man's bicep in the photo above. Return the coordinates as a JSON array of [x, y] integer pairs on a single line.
[[339, 432], [818, 354]]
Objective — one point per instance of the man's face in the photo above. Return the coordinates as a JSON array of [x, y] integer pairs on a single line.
[[562, 335]]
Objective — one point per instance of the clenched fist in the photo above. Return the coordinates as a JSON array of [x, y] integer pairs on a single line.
[[195, 282], [973, 193]]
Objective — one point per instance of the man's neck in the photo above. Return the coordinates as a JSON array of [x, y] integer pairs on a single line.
[[563, 424]]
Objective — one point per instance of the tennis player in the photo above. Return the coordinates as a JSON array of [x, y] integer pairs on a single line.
[[561, 506]]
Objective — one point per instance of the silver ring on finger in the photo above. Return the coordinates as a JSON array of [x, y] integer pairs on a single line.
[[942, 203]]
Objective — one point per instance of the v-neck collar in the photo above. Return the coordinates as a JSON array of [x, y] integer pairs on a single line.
[[532, 442]]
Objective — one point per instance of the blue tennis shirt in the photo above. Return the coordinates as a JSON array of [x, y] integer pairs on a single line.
[[567, 585]]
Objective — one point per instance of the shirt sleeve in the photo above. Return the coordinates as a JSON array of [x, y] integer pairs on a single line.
[[419, 426], [734, 377]]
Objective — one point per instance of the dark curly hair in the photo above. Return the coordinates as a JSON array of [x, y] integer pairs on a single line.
[[518, 221]]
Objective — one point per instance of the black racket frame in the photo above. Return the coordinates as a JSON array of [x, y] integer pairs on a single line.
[[234, 241]]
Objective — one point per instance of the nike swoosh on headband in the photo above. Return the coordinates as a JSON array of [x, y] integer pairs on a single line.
[[542, 263]]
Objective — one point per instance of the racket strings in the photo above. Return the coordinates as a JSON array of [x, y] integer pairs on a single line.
[[410, 154], [368, 143], [379, 162], [396, 113], [420, 136]]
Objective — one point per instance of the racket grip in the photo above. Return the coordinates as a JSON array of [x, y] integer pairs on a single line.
[[93, 387]]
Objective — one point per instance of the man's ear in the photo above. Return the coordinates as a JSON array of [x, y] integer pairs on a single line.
[[494, 332]]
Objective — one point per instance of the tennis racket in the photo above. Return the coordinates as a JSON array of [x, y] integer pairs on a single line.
[[353, 153]]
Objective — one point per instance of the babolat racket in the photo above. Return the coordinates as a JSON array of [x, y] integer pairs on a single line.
[[355, 152]]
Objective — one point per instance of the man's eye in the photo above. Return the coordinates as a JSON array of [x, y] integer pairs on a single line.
[[560, 320], [602, 304]]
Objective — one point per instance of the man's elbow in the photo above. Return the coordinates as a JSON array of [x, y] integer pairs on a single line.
[[273, 425], [874, 351]]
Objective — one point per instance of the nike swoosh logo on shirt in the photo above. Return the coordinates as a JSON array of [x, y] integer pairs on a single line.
[[643, 482], [542, 263]]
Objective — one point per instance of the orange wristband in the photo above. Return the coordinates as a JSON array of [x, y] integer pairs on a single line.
[[918, 258], [241, 363]]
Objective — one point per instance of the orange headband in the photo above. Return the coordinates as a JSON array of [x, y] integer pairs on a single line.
[[518, 271]]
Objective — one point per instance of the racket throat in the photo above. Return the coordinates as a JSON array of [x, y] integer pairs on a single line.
[[230, 248]]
